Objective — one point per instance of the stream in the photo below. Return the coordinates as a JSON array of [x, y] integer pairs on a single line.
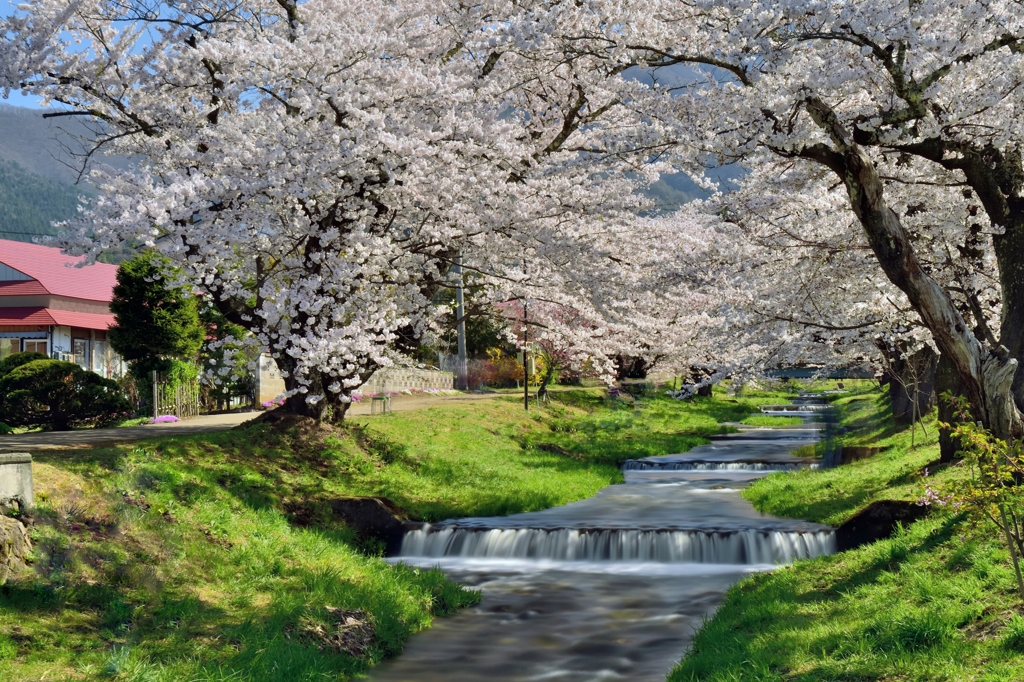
[[611, 587]]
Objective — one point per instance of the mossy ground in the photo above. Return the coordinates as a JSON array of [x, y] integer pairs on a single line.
[[212, 557], [936, 602]]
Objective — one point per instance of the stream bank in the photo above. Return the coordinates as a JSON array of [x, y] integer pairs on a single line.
[[613, 586]]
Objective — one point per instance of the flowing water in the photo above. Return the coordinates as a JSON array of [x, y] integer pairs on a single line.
[[614, 586]]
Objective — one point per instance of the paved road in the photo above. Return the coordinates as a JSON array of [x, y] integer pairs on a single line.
[[85, 438]]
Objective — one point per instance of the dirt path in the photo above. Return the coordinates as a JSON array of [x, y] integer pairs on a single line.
[[85, 438]]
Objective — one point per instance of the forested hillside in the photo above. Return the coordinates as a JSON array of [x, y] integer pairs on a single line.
[[39, 166], [29, 203]]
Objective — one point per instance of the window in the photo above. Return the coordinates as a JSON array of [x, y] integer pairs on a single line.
[[80, 347], [35, 347]]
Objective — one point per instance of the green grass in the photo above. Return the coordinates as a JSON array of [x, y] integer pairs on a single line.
[[936, 602], [215, 557], [494, 458]]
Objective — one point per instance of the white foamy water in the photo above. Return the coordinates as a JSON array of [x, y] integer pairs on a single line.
[[740, 547], [640, 465]]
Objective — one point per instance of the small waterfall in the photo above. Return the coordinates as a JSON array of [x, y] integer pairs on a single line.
[[796, 407], [637, 465], [738, 547]]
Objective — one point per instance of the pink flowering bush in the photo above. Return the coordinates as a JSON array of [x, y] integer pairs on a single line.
[[164, 419]]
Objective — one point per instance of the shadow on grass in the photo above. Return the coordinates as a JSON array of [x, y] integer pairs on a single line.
[[764, 624]]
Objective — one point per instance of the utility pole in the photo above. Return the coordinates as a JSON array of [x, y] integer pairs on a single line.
[[526, 359], [460, 327]]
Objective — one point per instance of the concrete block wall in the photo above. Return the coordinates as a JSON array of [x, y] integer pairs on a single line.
[[401, 379], [270, 383]]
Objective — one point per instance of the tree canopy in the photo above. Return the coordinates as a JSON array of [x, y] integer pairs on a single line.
[[154, 320], [316, 167]]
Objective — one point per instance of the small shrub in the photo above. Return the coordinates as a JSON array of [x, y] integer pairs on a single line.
[[5, 429], [60, 395], [15, 360]]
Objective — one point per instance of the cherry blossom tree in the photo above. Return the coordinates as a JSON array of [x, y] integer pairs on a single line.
[[882, 95], [316, 167]]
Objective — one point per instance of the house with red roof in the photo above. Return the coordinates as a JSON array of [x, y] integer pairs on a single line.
[[52, 305]]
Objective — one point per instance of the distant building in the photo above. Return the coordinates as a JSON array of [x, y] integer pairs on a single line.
[[50, 306]]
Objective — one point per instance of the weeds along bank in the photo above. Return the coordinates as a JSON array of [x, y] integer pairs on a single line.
[[936, 602], [214, 557]]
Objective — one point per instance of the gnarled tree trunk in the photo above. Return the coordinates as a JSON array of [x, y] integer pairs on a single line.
[[330, 409], [987, 374]]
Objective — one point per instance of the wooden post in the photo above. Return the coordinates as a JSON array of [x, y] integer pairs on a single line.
[[155, 392]]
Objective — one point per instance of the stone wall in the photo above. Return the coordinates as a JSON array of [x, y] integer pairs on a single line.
[[270, 384], [15, 547]]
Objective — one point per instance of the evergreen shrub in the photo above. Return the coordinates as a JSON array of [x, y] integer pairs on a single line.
[[59, 395]]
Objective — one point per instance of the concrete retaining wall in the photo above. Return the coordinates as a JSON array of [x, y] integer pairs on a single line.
[[16, 481], [401, 379]]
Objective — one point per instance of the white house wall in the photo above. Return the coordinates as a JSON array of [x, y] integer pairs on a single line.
[[60, 342]]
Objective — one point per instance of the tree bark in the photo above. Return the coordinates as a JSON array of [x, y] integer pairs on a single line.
[[331, 409], [542, 390], [947, 379], [912, 378], [1009, 249], [987, 374]]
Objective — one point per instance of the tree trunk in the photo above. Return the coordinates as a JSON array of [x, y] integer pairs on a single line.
[[705, 390], [912, 378], [1009, 249], [947, 379], [986, 374], [542, 390], [331, 408]]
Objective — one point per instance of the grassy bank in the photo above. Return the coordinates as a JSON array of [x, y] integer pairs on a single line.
[[936, 602], [215, 557]]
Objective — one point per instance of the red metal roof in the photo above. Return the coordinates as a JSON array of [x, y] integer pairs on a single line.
[[29, 287], [56, 272], [51, 317]]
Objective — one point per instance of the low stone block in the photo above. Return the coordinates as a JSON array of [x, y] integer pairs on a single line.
[[16, 481], [855, 453], [376, 517]]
